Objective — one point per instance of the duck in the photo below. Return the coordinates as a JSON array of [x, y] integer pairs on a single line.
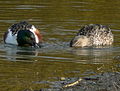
[[92, 35], [23, 34]]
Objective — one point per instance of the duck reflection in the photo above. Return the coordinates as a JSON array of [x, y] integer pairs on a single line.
[[14, 53], [93, 55], [96, 51]]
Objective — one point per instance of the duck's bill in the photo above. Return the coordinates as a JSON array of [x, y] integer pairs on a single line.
[[37, 45]]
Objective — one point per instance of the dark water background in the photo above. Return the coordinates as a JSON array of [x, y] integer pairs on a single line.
[[58, 21]]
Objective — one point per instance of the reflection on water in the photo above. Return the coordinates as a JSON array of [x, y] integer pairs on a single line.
[[94, 55], [14, 53], [58, 21]]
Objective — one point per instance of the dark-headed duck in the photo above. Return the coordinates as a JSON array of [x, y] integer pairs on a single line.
[[23, 34]]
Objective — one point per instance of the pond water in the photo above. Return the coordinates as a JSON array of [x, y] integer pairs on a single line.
[[58, 21]]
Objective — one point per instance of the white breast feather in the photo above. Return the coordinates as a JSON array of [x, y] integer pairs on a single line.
[[11, 39]]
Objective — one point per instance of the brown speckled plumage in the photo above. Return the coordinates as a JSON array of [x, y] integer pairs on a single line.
[[92, 35]]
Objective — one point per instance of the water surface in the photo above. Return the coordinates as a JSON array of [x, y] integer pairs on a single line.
[[58, 21]]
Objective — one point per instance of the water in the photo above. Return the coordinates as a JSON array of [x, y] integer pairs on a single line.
[[58, 21]]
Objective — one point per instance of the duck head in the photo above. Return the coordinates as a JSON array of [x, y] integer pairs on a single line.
[[80, 41], [26, 38]]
